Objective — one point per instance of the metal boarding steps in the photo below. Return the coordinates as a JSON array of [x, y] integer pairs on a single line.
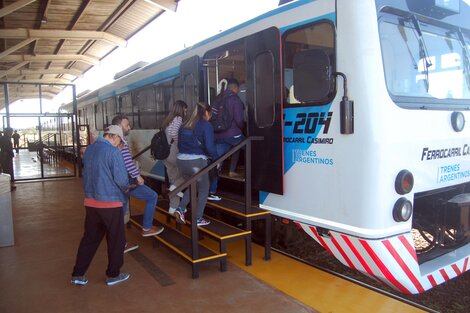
[[181, 243], [177, 239], [217, 230], [236, 209], [189, 245]]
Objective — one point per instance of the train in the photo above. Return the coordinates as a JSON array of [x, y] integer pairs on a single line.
[[362, 106]]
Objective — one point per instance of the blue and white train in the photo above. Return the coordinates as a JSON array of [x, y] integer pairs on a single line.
[[363, 108]]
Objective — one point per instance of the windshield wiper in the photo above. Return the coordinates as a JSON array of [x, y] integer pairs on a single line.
[[401, 30], [423, 51], [466, 56]]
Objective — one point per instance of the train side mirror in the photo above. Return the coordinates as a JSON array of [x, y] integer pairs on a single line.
[[312, 75]]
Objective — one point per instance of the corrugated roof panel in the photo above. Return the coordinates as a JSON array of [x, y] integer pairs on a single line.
[[122, 18]]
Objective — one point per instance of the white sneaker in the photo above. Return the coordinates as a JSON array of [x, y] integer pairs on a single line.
[[213, 197], [179, 194], [171, 210]]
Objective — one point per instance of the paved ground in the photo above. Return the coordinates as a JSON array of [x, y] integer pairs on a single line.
[[35, 272]]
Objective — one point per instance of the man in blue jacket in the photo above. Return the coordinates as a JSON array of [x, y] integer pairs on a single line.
[[105, 182]]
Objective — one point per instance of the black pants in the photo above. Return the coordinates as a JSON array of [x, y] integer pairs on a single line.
[[100, 222], [7, 165]]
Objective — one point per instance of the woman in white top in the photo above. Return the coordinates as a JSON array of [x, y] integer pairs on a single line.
[[171, 125]]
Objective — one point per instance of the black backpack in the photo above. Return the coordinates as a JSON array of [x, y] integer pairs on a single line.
[[159, 146], [221, 118]]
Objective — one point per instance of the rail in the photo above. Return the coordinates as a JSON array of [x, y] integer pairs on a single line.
[[191, 183], [141, 152]]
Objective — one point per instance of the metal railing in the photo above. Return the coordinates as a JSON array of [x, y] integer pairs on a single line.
[[191, 183]]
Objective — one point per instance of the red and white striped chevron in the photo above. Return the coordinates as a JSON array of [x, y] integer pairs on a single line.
[[392, 261]]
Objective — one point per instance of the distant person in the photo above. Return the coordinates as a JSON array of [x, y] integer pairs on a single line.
[[16, 141], [6, 155], [171, 126], [196, 149], [104, 183], [229, 138], [141, 191]]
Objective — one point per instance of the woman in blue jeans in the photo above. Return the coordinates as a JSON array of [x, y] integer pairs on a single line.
[[196, 149]]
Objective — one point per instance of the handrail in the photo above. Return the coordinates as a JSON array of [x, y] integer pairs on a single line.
[[218, 161], [191, 183], [141, 152]]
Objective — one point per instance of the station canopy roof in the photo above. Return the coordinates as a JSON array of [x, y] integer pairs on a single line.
[[57, 41]]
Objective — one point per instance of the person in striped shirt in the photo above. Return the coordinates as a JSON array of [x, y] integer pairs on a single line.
[[141, 191], [172, 125]]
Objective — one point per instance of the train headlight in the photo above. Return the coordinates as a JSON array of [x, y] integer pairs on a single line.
[[458, 121], [404, 182], [402, 210]]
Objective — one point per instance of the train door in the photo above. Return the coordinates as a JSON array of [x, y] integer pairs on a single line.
[[189, 79], [264, 110]]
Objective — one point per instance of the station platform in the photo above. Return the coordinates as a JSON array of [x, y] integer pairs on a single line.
[[48, 223]]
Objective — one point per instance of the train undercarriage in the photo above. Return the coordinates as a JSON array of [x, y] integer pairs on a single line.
[[441, 221]]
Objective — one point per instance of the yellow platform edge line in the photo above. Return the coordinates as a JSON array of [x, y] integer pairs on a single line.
[[317, 289]]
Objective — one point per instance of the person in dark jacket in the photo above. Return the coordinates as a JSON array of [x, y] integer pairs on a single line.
[[16, 141], [6, 155], [229, 138], [104, 182], [196, 149]]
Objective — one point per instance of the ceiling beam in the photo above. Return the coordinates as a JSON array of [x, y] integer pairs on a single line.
[[39, 81], [14, 69], [71, 26], [43, 71], [34, 34], [22, 95], [14, 6], [20, 91], [51, 57], [16, 47]]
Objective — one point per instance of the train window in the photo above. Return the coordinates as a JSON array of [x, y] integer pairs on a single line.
[[178, 89], [109, 110], [146, 108], [163, 99], [81, 116], [297, 43], [425, 63], [91, 116], [224, 62], [264, 90], [99, 116], [124, 106], [190, 90]]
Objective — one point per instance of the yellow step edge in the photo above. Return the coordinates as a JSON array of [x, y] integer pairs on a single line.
[[187, 257], [243, 233], [239, 213], [225, 237]]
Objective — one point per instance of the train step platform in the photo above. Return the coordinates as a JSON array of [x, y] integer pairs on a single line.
[[48, 222]]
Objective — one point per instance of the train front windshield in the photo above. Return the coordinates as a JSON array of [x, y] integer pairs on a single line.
[[425, 63]]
